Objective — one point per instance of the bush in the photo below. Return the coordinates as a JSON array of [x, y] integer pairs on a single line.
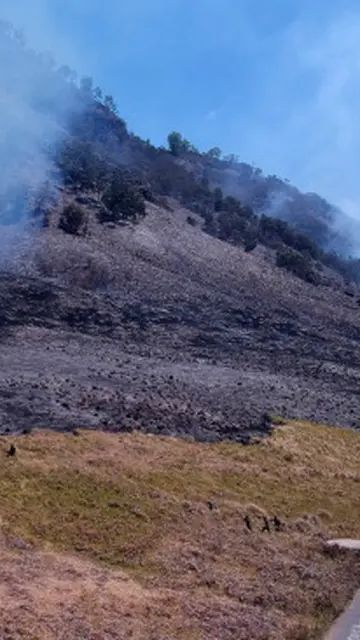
[[72, 219], [179, 145], [123, 200], [297, 264], [349, 268], [171, 179], [274, 231], [232, 226], [250, 244], [82, 167], [210, 225], [218, 199]]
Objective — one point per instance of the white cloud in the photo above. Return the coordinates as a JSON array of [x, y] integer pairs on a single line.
[[319, 136]]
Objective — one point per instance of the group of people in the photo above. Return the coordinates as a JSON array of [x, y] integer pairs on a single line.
[[267, 523]]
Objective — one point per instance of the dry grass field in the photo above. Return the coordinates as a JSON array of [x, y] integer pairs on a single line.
[[108, 536]]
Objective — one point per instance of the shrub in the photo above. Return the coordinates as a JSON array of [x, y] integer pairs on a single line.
[[218, 199], [175, 143], [210, 225], [297, 264], [72, 219], [179, 145], [81, 166], [232, 226], [122, 200], [274, 231], [250, 244]]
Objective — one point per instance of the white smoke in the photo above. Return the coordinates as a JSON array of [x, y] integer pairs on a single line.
[[36, 99]]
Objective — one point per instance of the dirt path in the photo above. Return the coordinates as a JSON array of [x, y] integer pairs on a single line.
[[348, 625], [345, 543]]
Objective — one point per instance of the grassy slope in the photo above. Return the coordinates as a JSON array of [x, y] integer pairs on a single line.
[[138, 504]]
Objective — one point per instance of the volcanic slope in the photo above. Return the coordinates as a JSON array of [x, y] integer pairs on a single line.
[[160, 327]]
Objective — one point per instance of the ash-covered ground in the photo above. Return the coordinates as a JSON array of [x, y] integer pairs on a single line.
[[162, 328]]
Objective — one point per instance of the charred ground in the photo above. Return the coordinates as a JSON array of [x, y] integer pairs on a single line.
[[145, 296], [159, 326]]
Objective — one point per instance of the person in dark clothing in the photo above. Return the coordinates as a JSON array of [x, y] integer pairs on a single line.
[[12, 451], [266, 527], [277, 523]]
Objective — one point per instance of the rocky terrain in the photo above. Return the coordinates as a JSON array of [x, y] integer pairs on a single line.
[[160, 327]]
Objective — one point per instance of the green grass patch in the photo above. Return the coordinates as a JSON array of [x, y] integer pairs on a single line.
[[52, 496], [113, 523]]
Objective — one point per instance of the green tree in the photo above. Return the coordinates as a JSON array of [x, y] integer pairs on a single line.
[[122, 200], [178, 144], [175, 141]]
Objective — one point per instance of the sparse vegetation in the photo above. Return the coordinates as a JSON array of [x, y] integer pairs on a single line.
[[122, 200], [167, 536], [298, 264], [142, 504], [82, 167], [179, 145], [98, 138]]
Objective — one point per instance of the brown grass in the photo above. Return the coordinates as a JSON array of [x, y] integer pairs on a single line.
[[166, 566]]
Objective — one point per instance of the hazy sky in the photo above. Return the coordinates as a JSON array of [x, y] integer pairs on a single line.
[[275, 81]]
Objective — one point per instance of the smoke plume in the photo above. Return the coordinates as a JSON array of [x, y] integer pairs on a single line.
[[36, 99]]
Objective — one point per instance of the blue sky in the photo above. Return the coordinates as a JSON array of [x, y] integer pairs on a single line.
[[275, 81]]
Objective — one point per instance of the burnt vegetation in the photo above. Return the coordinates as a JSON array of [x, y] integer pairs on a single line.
[[168, 288], [99, 156], [142, 172], [297, 263]]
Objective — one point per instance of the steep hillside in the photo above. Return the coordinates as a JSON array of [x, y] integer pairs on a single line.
[[331, 228], [136, 294], [162, 327], [130, 536], [148, 291]]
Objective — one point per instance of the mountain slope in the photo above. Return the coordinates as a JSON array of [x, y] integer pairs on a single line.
[[134, 294], [331, 228], [162, 327]]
